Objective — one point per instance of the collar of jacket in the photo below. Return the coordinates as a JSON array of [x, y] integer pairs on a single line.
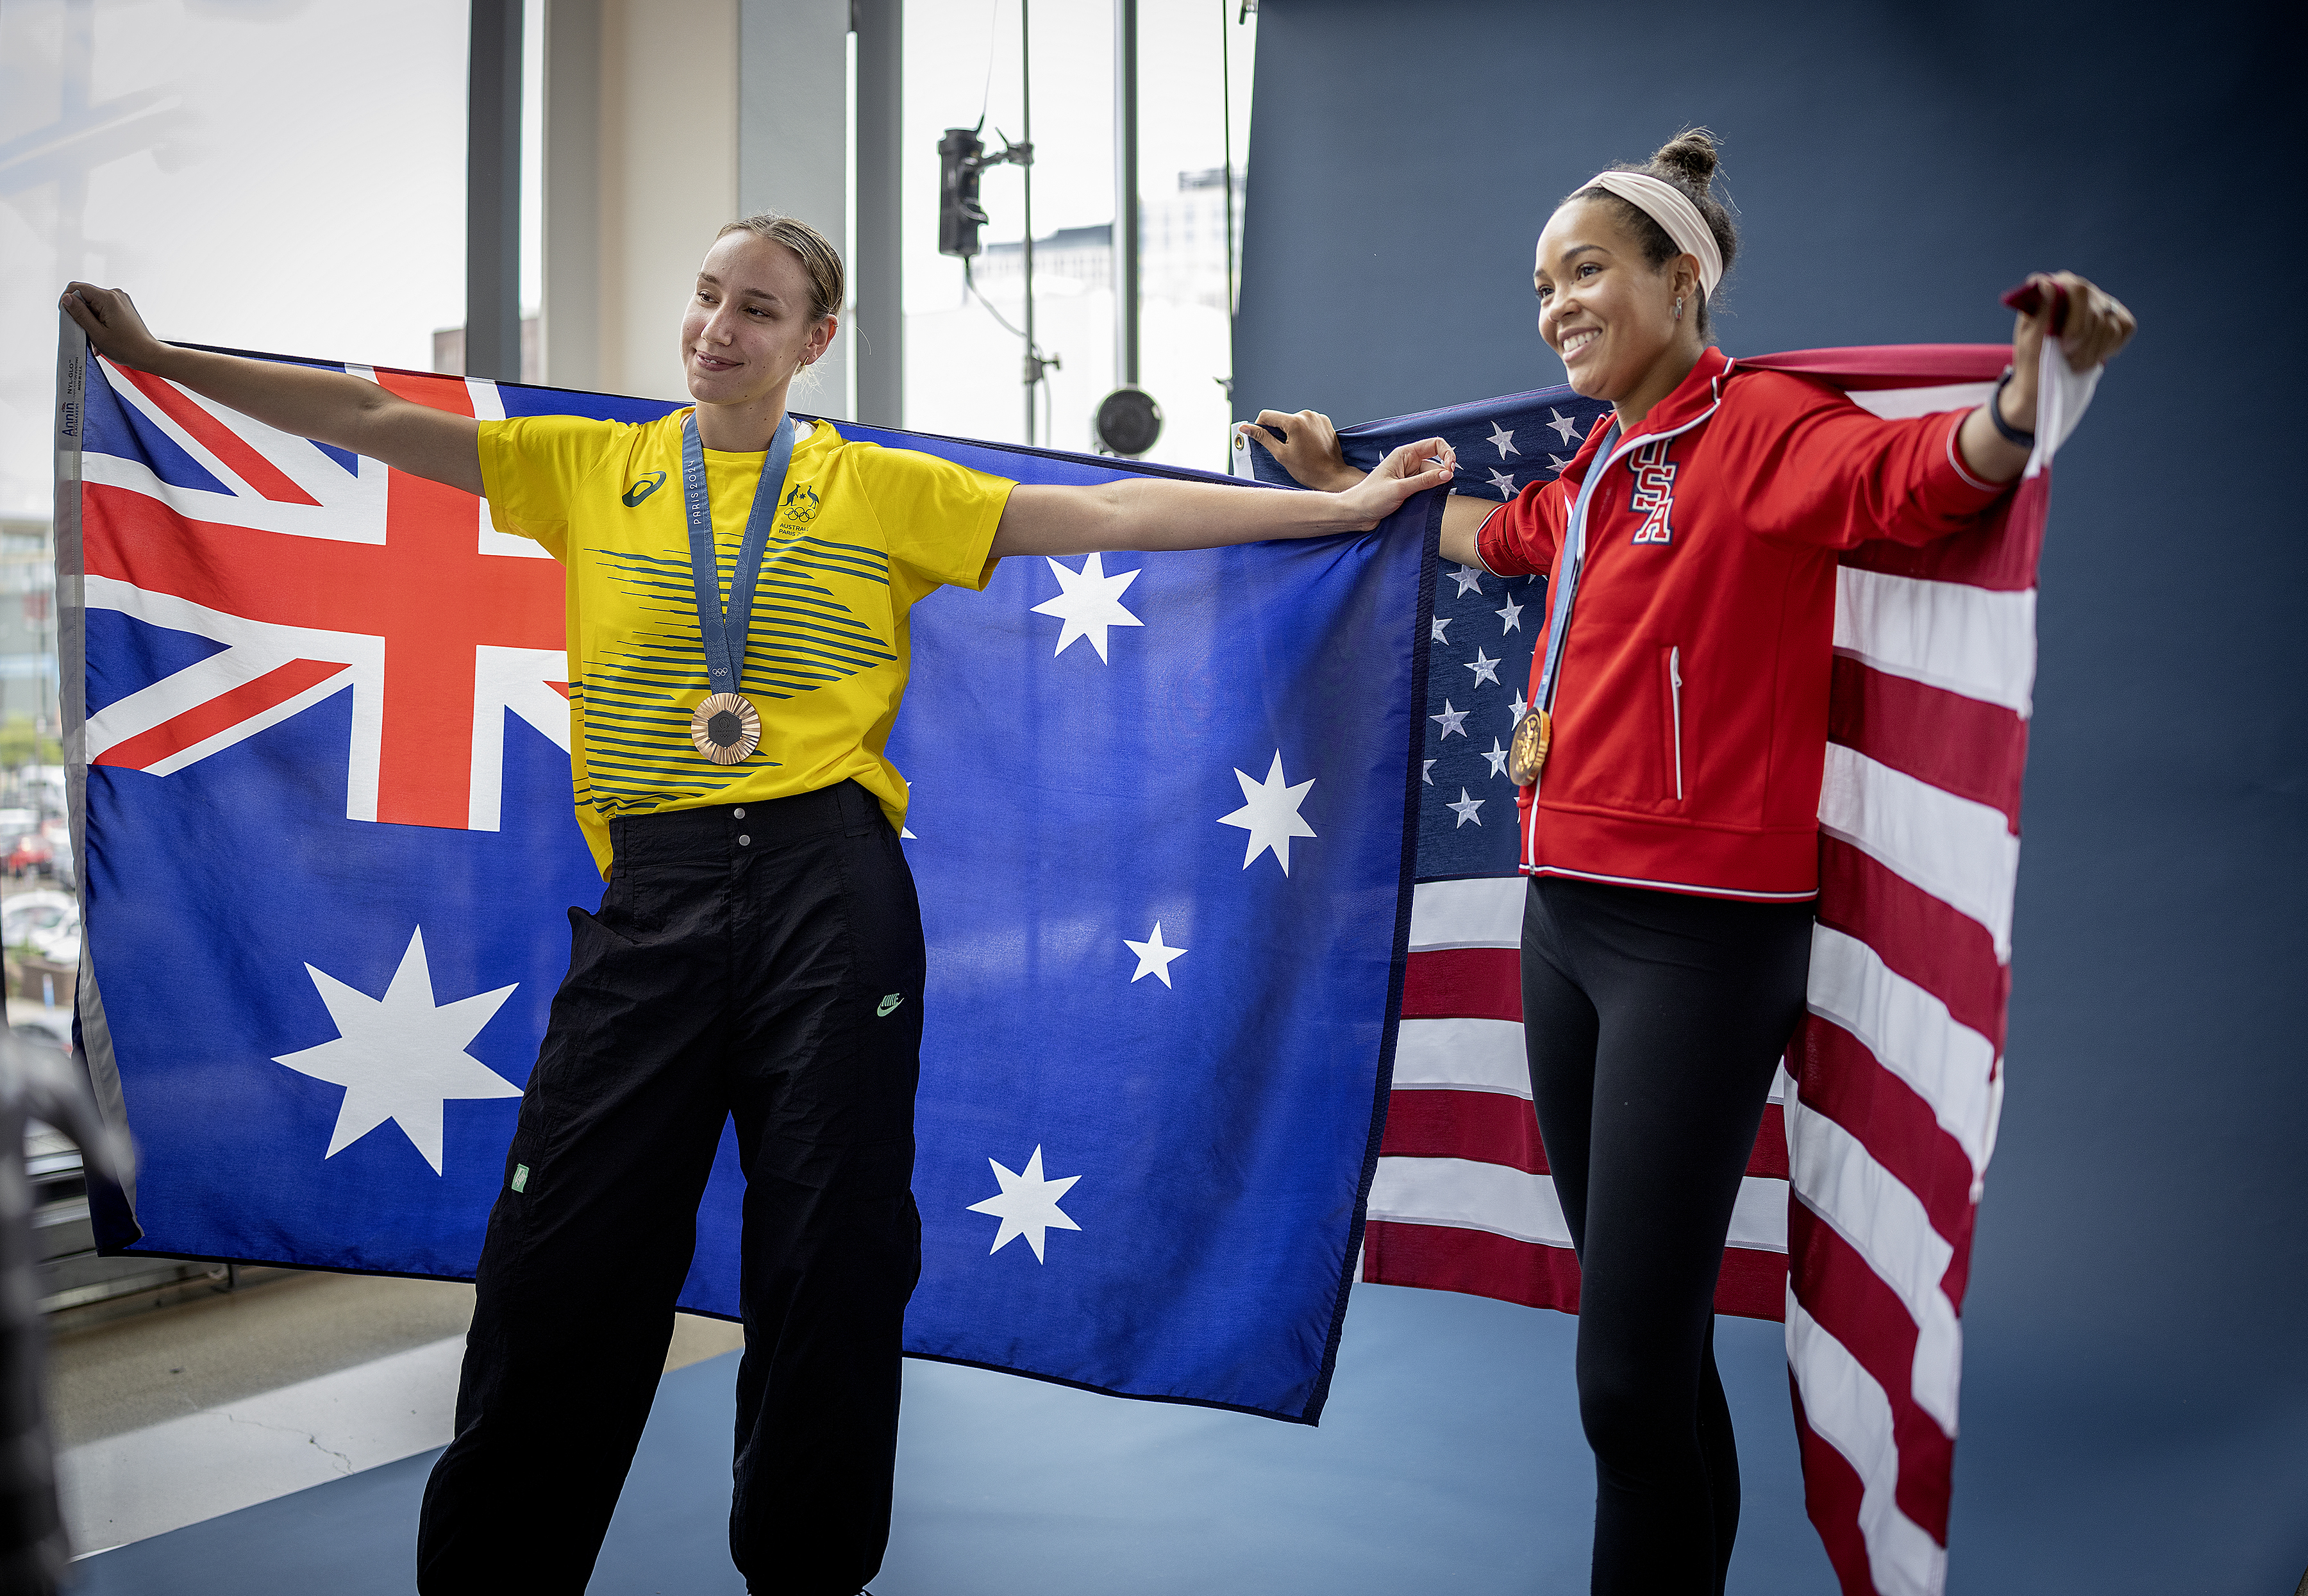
[[1693, 400]]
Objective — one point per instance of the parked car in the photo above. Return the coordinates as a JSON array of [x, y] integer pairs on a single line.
[[48, 922], [31, 852]]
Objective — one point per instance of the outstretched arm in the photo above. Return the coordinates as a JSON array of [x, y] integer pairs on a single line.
[[1148, 513], [1307, 445], [329, 406]]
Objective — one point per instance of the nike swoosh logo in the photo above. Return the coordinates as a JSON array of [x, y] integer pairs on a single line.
[[889, 1005], [645, 488]]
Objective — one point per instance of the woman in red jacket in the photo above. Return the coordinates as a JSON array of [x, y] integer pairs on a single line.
[[1671, 766]]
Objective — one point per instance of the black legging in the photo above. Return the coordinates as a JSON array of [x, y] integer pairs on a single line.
[[1653, 1021]]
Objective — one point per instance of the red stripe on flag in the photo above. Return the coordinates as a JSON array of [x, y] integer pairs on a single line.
[[1832, 1495], [1492, 1128], [1974, 750], [1851, 1302], [1479, 1263], [239, 456], [1753, 1284], [1770, 1157], [221, 713], [1841, 1079], [1940, 949], [1889, 366], [2001, 555], [1436, 1257], [1464, 983], [1488, 1126]]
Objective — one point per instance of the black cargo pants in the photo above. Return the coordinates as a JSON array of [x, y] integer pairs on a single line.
[[763, 963]]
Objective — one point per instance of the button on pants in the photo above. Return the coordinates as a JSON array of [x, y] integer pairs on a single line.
[[762, 964]]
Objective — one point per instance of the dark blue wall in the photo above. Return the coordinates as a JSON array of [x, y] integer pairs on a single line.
[[2136, 1385]]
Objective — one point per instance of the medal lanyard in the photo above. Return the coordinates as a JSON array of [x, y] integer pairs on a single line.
[[724, 660], [1574, 562]]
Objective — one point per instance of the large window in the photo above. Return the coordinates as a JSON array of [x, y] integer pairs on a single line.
[[963, 371]]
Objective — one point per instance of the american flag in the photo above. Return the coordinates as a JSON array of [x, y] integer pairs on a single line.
[[1854, 1222]]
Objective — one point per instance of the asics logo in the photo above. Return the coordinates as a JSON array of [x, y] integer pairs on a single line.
[[643, 488]]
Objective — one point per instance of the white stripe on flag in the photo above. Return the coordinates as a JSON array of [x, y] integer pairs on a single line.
[[1894, 404], [1464, 1055], [1961, 852], [1912, 1034], [355, 514], [1847, 1410], [1466, 1195], [1838, 1180], [1483, 913], [1971, 641]]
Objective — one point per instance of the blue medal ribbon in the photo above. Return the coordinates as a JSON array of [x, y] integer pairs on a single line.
[[1566, 582], [725, 659]]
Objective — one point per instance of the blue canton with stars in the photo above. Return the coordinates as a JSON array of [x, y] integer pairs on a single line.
[[1478, 678]]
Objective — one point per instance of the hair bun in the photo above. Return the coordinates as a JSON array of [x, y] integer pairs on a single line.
[[1690, 155]]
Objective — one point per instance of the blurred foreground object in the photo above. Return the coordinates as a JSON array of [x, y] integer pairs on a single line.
[[45, 1084]]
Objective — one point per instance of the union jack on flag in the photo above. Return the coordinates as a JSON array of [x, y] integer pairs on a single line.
[[316, 569]]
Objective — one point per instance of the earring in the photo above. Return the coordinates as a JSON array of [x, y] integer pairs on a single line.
[[1678, 310]]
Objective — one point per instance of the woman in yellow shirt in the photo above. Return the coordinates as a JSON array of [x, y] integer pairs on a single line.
[[737, 590]]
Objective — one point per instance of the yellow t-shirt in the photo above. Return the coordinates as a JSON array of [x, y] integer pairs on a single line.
[[861, 533]]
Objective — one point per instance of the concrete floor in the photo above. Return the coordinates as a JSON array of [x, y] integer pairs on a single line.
[[218, 1401]]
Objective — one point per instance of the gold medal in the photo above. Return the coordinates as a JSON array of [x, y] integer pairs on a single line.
[[1527, 751], [726, 728]]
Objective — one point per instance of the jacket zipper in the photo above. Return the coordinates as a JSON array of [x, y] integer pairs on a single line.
[[1674, 686]]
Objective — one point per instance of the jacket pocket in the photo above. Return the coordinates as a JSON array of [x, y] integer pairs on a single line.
[[1671, 668]]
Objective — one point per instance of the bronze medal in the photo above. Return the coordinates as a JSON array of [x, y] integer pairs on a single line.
[[725, 728], [1527, 751]]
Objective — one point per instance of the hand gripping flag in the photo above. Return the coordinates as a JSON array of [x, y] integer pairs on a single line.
[[1855, 1221], [318, 730]]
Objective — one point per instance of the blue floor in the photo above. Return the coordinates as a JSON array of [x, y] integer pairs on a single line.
[[1449, 1461]]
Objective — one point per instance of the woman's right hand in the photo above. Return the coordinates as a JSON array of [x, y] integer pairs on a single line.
[[110, 319], [1307, 445]]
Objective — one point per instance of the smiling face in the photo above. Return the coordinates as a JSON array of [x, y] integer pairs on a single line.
[[749, 325], [1607, 310]]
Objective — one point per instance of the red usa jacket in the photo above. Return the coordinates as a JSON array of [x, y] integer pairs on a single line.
[[1691, 719]]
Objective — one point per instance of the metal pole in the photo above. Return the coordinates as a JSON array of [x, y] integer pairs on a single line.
[[880, 345], [1033, 367], [1225, 119], [1125, 193], [492, 193]]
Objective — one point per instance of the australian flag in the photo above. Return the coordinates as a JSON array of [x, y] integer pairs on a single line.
[[319, 731]]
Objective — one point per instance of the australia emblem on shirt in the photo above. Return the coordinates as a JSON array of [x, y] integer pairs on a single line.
[[800, 506]]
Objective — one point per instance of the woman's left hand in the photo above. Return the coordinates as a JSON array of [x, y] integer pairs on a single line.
[[2097, 325], [1412, 468]]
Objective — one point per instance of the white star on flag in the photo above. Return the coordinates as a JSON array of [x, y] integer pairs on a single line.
[[1485, 667], [1465, 808], [1439, 628], [1451, 720], [1269, 813], [1497, 756], [398, 1057], [1558, 462], [1504, 440], [1521, 706], [1504, 484], [1509, 618], [1153, 959], [1426, 771], [1562, 424], [1090, 601], [1027, 1205], [1469, 580]]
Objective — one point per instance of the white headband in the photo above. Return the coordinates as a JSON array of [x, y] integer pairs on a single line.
[[1664, 204]]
